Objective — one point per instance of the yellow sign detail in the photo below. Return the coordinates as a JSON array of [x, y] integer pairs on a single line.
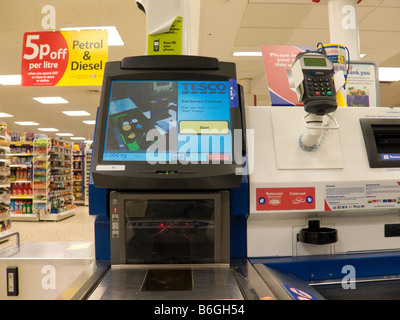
[[88, 54], [203, 127]]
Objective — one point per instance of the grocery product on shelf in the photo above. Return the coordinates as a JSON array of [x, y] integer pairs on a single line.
[[5, 208]]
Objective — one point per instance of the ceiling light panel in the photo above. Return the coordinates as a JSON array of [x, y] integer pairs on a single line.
[[5, 115], [50, 100], [48, 129], [89, 121], [389, 74], [247, 54], [27, 123], [10, 80], [76, 113], [65, 134]]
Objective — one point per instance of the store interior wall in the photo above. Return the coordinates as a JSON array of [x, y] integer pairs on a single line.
[[225, 26]]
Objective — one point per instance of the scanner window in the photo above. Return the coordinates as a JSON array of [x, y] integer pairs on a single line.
[[169, 231], [387, 138]]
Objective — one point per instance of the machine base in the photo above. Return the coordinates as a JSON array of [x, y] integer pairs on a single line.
[[156, 282]]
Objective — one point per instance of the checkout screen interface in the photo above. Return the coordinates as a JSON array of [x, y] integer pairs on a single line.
[[169, 121]]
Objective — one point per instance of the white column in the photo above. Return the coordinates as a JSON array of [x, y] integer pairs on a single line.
[[343, 25], [160, 14]]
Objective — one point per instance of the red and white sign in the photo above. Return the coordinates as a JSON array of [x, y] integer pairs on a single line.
[[44, 58], [64, 58], [277, 199], [278, 59]]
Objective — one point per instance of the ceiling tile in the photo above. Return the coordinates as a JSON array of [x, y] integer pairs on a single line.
[[317, 17], [274, 15], [309, 37], [262, 36], [382, 19], [391, 3]]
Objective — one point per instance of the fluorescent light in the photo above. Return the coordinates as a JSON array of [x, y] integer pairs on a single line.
[[389, 74], [27, 123], [5, 115], [247, 54], [88, 141], [10, 80], [114, 39], [76, 113], [78, 138], [65, 134], [48, 129], [90, 121], [50, 100]]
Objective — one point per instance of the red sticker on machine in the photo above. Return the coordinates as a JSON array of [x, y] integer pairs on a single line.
[[271, 199]]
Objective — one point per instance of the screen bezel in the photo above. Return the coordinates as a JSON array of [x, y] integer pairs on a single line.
[[144, 75], [226, 107]]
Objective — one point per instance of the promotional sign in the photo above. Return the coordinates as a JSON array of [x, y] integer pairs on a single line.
[[276, 199], [278, 59], [361, 85], [64, 58], [167, 43]]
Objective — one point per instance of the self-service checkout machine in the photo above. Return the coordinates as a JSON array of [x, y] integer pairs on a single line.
[[169, 189], [325, 194]]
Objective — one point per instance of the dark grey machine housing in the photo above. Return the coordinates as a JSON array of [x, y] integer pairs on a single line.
[[145, 176]]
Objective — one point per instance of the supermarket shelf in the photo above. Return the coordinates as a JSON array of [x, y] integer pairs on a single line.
[[20, 154], [57, 216], [21, 197], [24, 217]]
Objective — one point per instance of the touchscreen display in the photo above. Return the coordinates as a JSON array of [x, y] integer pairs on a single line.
[[169, 121]]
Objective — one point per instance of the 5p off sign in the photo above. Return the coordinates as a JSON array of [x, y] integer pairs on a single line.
[[64, 58]]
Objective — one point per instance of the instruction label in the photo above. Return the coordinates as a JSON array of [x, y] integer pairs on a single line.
[[271, 199], [168, 43], [355, 196]]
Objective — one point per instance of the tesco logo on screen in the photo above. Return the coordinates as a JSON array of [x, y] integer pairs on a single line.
[[204, 87]]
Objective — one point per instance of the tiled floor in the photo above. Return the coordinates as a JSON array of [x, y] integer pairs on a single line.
[[79, 227]]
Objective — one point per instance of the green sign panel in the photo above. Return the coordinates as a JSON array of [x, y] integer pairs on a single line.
[[169, 42]]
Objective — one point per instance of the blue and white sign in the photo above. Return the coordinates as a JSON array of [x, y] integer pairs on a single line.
[[390, 156], [298, 294]]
